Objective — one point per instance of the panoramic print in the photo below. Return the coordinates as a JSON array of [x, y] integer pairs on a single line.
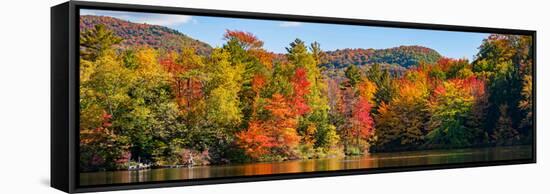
[[167, 97]]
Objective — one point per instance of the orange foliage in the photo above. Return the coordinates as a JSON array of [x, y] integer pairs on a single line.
[[471, 86], [255, 141], [186, 90], [276, 135], [366, 90], [445, 63], [170, 65], [411, 92], [281, 111], [258, 82], [266, 58], [247, 39]]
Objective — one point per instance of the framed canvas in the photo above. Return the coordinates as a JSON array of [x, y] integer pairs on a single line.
[[150, 96]]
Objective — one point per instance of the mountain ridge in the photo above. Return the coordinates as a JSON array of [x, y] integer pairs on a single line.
[[155, 36], [162, 37], [405, 56]]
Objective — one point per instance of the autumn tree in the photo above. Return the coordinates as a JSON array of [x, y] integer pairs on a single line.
[[189, 80], [255, 141], [131, 90], [400, 123], [223, 88], [245, 49], [316, 123], [258, 83], [240, 102], [476, 119], [102, 149], [340, 108], [367, 91], [103, 91], [301, 89], [362, 123], [450, 105], [246, 40], [275, 137]]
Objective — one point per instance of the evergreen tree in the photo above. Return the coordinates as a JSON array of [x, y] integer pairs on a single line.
[[97, 40]]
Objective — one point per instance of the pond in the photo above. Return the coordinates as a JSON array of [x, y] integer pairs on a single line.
[[394, 159]]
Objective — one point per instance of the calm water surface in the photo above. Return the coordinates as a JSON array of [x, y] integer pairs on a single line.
[[376, 160]]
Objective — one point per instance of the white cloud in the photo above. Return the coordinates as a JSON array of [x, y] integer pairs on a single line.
[[290, 24], [165, 20], [148, 18]]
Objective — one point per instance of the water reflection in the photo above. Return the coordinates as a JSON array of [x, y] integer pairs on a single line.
[[370, 161]]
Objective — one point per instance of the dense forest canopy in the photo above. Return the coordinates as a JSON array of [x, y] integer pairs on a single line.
[[404, 56], [142, 103]]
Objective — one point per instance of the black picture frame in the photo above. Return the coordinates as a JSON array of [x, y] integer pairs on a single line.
[[65, 95]]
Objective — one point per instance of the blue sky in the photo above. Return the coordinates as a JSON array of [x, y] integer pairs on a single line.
[[278, 34]]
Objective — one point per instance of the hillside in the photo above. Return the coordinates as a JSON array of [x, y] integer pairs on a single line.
[[170, 39], [404, 56], [145, 34]]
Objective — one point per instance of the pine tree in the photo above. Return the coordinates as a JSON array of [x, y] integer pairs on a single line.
[[95, 41]]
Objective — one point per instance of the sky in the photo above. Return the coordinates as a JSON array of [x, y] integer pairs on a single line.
[[277, 35]]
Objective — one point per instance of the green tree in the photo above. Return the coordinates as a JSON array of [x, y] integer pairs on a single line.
[[316, 122], [505, 134], [384, 84], [449, 110], [504, 60], [223, 88], [95, 41], [354, 75], [246, 49], [223, 106]]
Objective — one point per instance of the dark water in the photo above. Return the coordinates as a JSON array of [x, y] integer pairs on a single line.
[[412, 158]]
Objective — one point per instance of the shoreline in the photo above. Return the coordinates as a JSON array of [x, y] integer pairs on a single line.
[[375, 156]]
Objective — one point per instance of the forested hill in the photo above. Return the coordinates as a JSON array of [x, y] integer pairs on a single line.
[[166, 38], [145, 34], [404, 56]]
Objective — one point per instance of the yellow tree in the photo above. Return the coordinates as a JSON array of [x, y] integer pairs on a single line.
[[223, 88], [400, 123]]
